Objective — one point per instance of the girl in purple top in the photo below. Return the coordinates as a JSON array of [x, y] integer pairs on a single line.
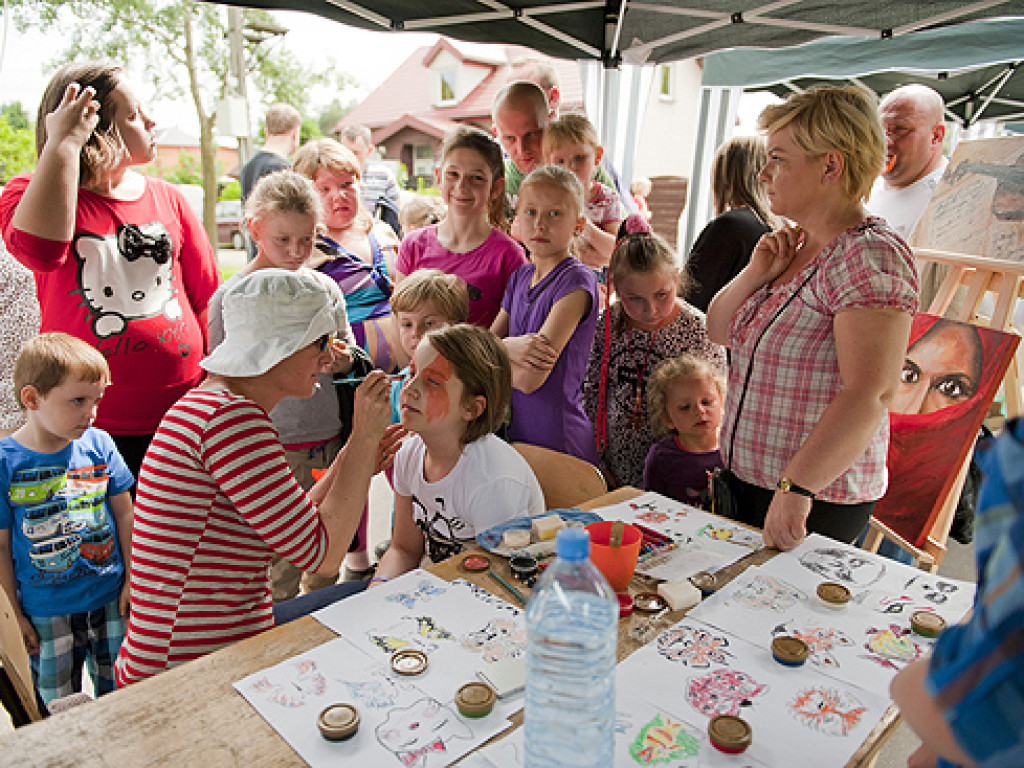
[[548, 317], [469, 242], [684, 399]]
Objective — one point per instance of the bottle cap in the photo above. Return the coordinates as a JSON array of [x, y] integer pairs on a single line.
[[649, 602], [573, 544], [927, 624], [833, 595], [408, 661], [475, 699], [790, 651], [338, 722], [730, 734]]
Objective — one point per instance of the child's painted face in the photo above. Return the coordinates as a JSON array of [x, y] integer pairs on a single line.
[[339, 194], [581, 159], [67, 410], [415, 324], [467, 184], [648, 298], [547, 220], [133, 125], [285, 240], [432, 396], [693, 408]]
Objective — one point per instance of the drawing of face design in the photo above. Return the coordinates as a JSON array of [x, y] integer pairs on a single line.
[[942, 368], [821, 640], [414, 733], [827, 710], [722, 692], [768, 593], [693, 647], [499, 639], [843, 566]]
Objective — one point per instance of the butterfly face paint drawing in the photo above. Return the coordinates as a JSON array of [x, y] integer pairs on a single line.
[[499, 639], [730, 533], [694, 647], [422, 594], [307, 682], [376, 693], [418, 632], [827, 710], [723, 692], [892, 644]]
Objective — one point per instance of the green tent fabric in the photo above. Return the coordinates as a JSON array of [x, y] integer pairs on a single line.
[[975, 67]]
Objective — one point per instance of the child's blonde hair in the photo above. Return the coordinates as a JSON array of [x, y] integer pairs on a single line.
[[482, 365], [283, 191], [335, 158], [570, 129], [421, 211], [47, 360], [682, 368], [558, 178], [446, 293], [470, 137]]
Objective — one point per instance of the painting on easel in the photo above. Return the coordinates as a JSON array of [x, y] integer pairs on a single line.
[[950, 376], [978, 206]]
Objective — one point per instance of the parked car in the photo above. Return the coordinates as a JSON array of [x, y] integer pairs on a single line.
[[230, 224]]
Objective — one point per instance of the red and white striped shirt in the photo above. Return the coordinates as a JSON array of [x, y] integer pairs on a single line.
[[215, 501], [795, 372]]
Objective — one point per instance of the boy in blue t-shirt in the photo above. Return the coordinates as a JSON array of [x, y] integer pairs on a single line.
[[65, 518]]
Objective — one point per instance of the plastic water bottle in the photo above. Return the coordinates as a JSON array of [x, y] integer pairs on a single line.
[[571, 630]]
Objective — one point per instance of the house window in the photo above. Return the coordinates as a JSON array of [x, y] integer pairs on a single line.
[[666, 82], [446, 79], [423, 160]]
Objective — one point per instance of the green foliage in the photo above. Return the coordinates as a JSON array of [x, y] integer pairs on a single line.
[[231, 191], [331, 114], [309, 130], [188, 170], [17, 149], [16, 116]]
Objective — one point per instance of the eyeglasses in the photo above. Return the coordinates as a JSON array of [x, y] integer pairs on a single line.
[[324, 342]]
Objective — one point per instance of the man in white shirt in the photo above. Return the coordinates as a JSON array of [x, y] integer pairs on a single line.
[[378, 180]]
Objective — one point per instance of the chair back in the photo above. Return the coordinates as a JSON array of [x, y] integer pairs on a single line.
[[565, 480], [14, 659]]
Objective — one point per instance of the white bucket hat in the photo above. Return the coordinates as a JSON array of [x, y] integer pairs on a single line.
[[271, 314]]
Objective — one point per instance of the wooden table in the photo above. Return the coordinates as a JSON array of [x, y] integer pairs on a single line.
[[192, 716]]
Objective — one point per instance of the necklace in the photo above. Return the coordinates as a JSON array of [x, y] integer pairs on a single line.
[[636, 418]]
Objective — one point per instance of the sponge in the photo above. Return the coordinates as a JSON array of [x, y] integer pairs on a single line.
[[679, 595], [546, 527]]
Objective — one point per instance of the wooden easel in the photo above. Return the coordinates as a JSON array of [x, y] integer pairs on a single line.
[[979, 276]]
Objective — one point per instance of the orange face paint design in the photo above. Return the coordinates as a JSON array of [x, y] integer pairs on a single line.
[[436, 376]]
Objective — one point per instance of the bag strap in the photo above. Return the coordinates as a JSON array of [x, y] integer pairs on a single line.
[[750, 365], [601, 418]]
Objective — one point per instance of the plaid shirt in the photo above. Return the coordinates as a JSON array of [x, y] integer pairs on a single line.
[[796, 372]]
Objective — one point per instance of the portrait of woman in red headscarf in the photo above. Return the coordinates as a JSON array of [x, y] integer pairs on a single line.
[[950, 376]]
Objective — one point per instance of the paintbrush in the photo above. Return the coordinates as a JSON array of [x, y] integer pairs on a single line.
[[515, 592]]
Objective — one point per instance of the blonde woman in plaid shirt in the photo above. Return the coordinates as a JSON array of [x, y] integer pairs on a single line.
[[817, 325]]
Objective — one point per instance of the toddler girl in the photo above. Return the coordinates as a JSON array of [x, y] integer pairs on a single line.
[[549, 314], [571, 142], [469, 241], [453, 477], [684, 398], [647, 324]]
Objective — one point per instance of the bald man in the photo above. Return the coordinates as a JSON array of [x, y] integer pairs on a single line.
[[912, 117], [520, 115]]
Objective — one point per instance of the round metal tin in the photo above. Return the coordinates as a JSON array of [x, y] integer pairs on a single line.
[[408, 662], [524, 567], [338, 722], [475, 563], [790, 651], [706, 582], [730, 734], [927, 624], [649, 602], [833, 595], [475, 699]]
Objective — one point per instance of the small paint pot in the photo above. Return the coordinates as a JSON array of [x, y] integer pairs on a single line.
[[706, 582], [338, 722], [475, 699], [524, 567], [730, 734], [475, 563], [649, 602], [833, 595], [927, 624], [408, 662], [516, 538], [625, 604], [790, 651]]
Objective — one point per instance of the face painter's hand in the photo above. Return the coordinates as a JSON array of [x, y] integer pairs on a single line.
[[372, 408]]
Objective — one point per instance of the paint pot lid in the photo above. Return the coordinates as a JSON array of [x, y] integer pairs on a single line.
[[927, 623], [704, 581], [834, 594], [523, 565], [649, 602], [730, 733], [475, 563], [625, 604], [409, 661], [790, 650], [475, 699], [338, 721]]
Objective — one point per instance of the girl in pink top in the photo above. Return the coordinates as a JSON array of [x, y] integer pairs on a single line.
[[470, 241]]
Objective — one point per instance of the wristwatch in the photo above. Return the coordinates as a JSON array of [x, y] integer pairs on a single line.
[[788, 486]]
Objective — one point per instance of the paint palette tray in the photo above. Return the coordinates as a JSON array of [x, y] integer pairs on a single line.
[[493, 538]]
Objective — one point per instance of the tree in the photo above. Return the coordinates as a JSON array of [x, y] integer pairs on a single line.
[[16, 116], [17, 149], [181, 46]]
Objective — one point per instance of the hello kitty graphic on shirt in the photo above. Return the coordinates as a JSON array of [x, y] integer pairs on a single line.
[[126, 276]]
